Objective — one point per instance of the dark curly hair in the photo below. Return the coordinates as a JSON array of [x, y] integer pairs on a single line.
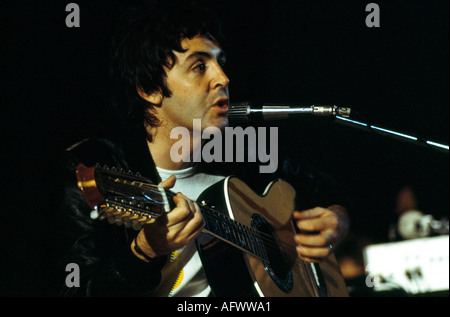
[[143, 45]]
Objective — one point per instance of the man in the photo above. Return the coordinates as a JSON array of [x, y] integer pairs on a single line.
[[169, 68]]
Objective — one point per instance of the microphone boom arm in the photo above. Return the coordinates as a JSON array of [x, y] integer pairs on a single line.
[[243, 111], [391, 133]]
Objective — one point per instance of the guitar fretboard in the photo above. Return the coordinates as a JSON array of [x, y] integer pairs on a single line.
[[243, 237]]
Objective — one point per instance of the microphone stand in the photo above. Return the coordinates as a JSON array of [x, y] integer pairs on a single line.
[[391, 133], [243, 112]]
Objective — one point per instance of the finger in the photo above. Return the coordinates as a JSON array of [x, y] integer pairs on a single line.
[[322, 239], [191, 204], [196, 223], [310, 213], [191, 223], [318, 224], [197, 219], [311, 225], [192, 207], [184, 232], [315, 240], [311, 260], [182, 211], [170, 182], [182, 201], [313, 252], [196, 229]]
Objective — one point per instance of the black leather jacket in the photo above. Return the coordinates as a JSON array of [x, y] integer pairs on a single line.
[[102, 251]]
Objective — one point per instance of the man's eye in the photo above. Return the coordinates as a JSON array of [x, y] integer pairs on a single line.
[[200, 67]]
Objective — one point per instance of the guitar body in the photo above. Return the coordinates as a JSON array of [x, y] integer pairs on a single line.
[[232, 272]]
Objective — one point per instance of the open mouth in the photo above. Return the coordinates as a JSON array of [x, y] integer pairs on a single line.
[[221, 105]]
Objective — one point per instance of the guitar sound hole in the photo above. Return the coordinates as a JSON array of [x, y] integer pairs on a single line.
[[277, 265]]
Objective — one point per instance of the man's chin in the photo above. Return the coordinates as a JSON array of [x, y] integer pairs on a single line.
[[221, 123]]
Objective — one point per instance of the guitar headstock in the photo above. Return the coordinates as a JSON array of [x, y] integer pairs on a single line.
[[121, 197]]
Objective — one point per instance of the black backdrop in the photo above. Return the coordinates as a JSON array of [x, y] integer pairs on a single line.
[[54, 90]]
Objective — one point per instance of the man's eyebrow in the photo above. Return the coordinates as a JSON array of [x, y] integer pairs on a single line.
[[198, 54]]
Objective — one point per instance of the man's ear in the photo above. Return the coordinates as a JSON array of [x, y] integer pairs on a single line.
[[154, 98]]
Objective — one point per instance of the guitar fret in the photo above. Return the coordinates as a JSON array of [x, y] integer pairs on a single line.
[[245, 238], [261, 249], [237, 235], [241, 239], [254, 244], [231, 231], [206, 218], [252, 239]]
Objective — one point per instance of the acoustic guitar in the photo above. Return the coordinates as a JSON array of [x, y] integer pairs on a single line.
[[248, 236]]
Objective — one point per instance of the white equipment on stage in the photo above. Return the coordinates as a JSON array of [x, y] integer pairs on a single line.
[[416, 266]]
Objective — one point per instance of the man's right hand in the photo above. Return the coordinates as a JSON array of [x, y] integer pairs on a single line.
[[172, 230]]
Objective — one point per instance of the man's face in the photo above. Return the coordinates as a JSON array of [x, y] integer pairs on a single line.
[[199, 87]]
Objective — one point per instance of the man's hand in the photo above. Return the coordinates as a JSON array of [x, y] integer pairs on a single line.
[[321, 229], [172, 230]]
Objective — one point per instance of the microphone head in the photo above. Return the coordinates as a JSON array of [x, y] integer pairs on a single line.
[[239, 112]]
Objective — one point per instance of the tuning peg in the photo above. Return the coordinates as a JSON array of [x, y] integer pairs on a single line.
[[118, 212], [134, 216], [146, 220]]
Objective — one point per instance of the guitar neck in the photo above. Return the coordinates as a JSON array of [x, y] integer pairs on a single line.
[[232, 232]]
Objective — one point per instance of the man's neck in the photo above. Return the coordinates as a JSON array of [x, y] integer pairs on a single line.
[[160, 149]]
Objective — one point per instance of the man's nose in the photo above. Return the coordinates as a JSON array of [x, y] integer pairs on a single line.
[[220, 78]]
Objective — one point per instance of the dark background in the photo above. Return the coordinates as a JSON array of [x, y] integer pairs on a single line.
[[54, 91]]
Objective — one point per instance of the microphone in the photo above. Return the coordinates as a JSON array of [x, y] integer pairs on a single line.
[[245, 111]]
